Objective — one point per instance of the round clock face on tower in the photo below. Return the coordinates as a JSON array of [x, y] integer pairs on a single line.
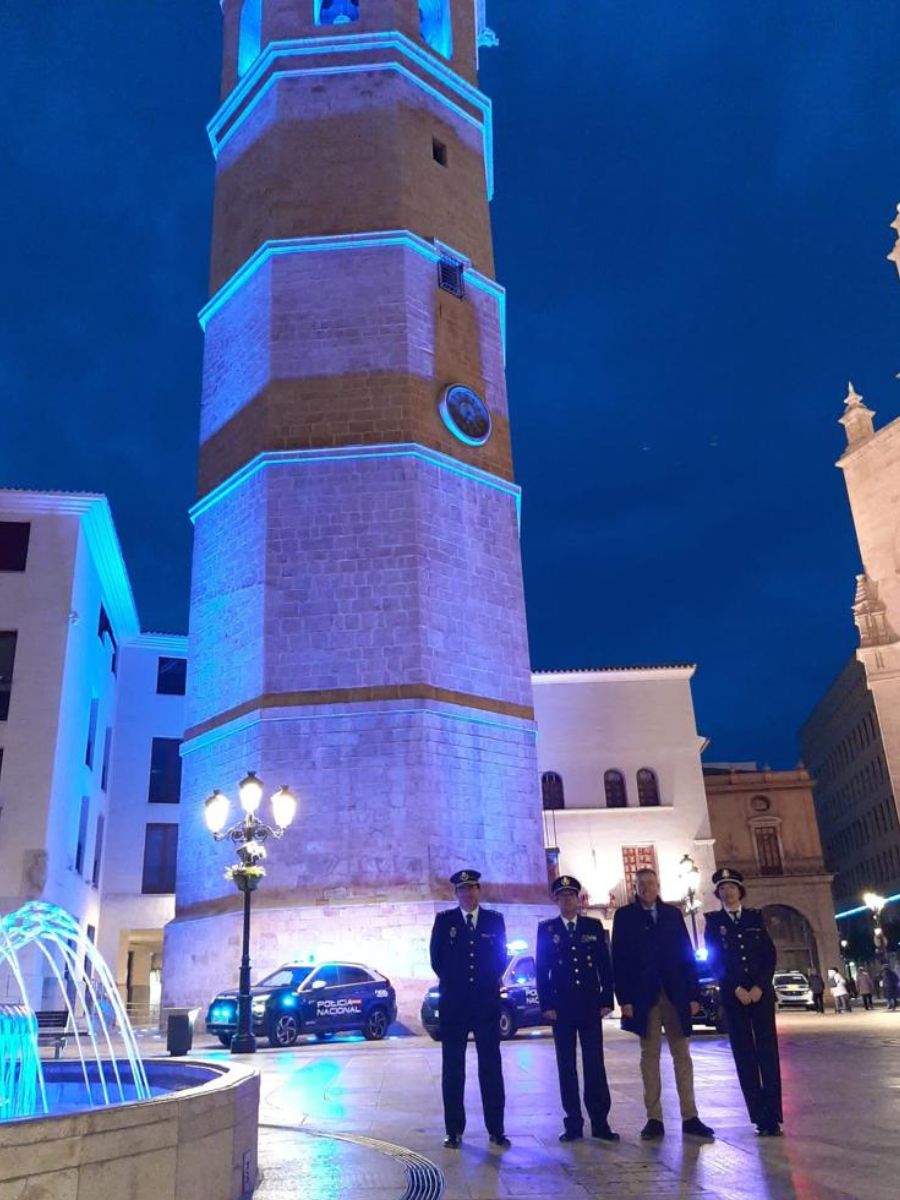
[[465, 414]]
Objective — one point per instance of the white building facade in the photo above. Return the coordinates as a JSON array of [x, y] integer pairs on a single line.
[[81, 723], [619, 756]]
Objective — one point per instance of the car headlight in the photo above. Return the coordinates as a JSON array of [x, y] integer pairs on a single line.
[[434, 996]]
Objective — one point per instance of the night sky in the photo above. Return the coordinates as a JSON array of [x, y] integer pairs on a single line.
[[691, 220]]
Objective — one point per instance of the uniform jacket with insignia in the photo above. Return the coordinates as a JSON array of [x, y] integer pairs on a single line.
[[468, 965], [739, 953], [573, 973]]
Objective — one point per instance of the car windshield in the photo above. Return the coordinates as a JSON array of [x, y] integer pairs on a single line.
[[793, 977], [285, 977]]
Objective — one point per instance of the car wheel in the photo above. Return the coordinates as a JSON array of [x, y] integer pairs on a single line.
[[507, 1023], [284, 1029], [224, 1038], [375, 1025]]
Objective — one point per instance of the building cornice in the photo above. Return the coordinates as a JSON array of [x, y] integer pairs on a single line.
[[95, 515], [611, 674]]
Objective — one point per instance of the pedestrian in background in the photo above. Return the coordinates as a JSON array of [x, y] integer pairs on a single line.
[[890, 985], [575, 988], [742, 958], [817, 987], [656, 980], [865, 988], [468, 955], [838, 986]]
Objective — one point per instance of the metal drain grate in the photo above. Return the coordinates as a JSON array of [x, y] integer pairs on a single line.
[[424, 1180]]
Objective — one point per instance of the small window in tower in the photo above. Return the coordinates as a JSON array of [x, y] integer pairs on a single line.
[[249, 35], [439, 151], [450, 276], [435, 26], [336, 12]]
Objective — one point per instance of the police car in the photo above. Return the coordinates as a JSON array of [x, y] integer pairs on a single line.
[[303, 998], [519, 1004]]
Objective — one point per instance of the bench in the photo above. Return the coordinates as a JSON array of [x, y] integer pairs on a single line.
[[53, 1029]]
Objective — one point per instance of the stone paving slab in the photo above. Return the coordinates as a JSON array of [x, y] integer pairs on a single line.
[[841, 1078]]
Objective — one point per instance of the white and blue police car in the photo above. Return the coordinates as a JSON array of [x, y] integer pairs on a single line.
[[320, 999]]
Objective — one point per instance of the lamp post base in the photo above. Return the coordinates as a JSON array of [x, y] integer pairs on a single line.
[[243, 1043]]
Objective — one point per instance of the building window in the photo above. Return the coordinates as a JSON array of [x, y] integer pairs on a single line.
[[768, 850], [450, 277], [14, 536], [439, 151], [552, 792], [160, 854], [634, 859], [648, 788], [249, 35], [98, 851], [614, 786], [107, 747], [7, 660], [92, 732], [81, 844], [171, 676], [336, 12], [165, 771], [435, 26]]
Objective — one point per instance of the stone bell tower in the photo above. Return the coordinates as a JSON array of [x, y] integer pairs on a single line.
[[357, 619]]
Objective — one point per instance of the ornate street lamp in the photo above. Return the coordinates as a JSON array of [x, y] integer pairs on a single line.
[[875, 903], [689, 878], [248, 835]]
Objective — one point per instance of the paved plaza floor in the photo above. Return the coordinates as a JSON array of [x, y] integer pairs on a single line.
[[350, 1118]]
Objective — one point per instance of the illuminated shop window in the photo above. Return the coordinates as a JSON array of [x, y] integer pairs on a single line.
[[435, 26], [336, 12], [249, 35]]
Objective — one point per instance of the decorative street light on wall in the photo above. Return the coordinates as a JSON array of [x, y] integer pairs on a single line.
[[875, 903], [248, 835], [689, 878]]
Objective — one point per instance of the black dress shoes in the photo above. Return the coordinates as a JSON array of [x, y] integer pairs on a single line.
[[652, 1130], [571, 1135], [769, 1131], [501, 1140], [451, 1141], [604, 1134], [694, 1127]]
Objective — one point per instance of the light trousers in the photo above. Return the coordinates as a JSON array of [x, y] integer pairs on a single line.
[[664, 1015]]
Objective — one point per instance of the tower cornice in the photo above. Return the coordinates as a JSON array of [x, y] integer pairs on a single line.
[[392, 51]]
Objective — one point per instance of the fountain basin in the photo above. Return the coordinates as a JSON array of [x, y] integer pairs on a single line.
[[195, 1139]]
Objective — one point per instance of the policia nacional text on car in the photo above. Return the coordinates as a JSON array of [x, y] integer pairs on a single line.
[[468, 955], [575, 986]]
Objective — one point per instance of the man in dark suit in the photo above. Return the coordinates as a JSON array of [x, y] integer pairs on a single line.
[[658, 988], [742, 957], [468, 955], [575, 987]]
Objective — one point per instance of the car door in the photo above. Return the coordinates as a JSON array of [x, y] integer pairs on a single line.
[[357, 987], [522, 986], [318, 994]]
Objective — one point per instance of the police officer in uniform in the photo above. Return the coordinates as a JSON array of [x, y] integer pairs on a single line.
[[575, 987], [742, 958], [468, 955]]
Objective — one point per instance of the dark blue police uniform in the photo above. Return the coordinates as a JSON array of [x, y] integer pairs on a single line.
[[741, 954], [574, 978], [469, 963]]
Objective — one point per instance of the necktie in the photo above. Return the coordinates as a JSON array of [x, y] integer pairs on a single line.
[[735, 916], [571, 925], [470, 921]]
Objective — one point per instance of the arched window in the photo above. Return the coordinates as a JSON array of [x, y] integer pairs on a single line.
[[435, 26], [648, 788], [249, 35], [336, 12], [552, 792], [614, 786]]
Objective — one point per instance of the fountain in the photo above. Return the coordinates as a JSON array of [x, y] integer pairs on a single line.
[[166, 1129]]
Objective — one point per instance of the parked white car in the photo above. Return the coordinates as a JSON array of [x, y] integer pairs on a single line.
[[792, 990]]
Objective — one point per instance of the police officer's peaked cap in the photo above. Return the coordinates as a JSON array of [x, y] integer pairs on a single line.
[[564, 883], [728, 875], [462, 877]]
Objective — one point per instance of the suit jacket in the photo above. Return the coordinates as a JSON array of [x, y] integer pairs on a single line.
[[651, 957], [574, 975], [468, 965], [739, 953]]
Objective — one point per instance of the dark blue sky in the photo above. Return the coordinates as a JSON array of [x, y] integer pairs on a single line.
[[691, 221]]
